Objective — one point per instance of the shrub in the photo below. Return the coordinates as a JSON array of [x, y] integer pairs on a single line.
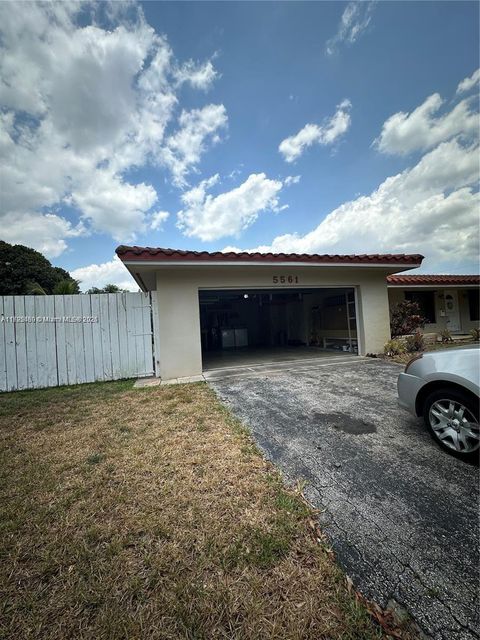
[[475, 333], [394, 348], [446, 335], [414, 343], [405, 318]]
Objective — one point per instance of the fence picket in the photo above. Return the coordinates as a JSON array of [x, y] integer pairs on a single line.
[[105, 337], [21, 343], [3, 359], [88, 339], [31, 344], [61, 340], [70, 341], [51, 342], [96, 337], [114, 335], [40, 341], [124, 356]]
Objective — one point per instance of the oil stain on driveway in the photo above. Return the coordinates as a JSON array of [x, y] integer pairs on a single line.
[[401, 515]]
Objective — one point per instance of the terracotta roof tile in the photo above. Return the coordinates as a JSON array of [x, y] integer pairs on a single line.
[[158, 254], [419, 279]]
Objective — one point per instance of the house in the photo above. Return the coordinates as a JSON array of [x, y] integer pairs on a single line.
[[229, 309], [446, 301]]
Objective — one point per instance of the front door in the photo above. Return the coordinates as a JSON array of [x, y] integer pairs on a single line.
[[451, 310]]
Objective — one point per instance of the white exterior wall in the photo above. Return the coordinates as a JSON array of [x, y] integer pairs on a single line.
[[179, 315], [397, 294]]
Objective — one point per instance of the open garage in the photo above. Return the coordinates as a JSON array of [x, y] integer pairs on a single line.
[[228, 309], [263, 325]]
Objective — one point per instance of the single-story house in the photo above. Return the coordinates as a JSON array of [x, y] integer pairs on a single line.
[[225, 309], [447, 302]]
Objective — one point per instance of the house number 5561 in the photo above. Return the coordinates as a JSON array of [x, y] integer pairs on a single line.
[[285, 279]]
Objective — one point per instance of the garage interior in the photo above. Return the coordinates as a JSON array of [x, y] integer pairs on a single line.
[[242, 327]]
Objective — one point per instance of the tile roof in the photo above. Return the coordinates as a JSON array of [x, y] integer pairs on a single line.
[[419, 279], [157, 254]]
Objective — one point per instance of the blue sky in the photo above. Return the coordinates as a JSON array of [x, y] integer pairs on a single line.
[[286, 126]]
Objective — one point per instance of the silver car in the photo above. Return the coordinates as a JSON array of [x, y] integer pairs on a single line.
[[443, 388]]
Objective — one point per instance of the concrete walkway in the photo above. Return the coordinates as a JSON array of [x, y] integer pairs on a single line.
[[401, 514]]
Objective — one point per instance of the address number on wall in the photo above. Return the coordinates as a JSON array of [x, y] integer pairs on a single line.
[[285, 279]]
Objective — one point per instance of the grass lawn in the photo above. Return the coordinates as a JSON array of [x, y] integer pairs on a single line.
[[150, 514]]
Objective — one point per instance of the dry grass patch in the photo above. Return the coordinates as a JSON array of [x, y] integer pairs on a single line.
[[150, 514]]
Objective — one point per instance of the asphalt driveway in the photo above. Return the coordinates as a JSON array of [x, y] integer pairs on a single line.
[[401, 515]]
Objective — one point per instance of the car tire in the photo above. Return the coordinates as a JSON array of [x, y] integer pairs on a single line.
[[452, 428]]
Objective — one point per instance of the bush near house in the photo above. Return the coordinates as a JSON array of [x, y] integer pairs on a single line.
[[446, 335], [415, 342], [405, 318], [394, 347]]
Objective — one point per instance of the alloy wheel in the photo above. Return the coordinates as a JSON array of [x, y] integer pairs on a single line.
[[454, 425]]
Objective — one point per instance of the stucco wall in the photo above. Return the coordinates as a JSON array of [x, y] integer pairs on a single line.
[[179, 316]]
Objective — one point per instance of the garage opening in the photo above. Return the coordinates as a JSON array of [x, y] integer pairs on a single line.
[[241, 327]]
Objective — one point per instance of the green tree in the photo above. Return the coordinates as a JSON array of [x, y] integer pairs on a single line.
[[23, 270], [66, 287], [61, 288], [108, 288]]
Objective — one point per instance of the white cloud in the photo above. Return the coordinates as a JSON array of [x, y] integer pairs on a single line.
[[44, 232], [326, 134], [431, 208], [107, 193], [185, 147], [292, 180], [211, 217], [81, 105], [158, 218], [199, 76], [355, 19], [99, 275], [422, 129], [468, 83]]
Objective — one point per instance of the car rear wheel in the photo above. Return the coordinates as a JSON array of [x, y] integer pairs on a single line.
[[452, 418]]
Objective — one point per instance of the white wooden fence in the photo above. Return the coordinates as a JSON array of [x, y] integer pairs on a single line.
[[47, 341]]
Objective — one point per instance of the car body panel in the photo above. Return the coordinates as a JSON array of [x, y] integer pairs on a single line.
[[458, 366], [408, 387]]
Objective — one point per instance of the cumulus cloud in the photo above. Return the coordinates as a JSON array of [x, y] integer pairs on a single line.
[[44, 232], [430, 208], [354, 21], [185, 147], [468, 83], [292, 180], [211, 217], [99, 275], [325, 134], [422, 129], [82, 105], [199, 76], [107, 193], [158, 218]]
